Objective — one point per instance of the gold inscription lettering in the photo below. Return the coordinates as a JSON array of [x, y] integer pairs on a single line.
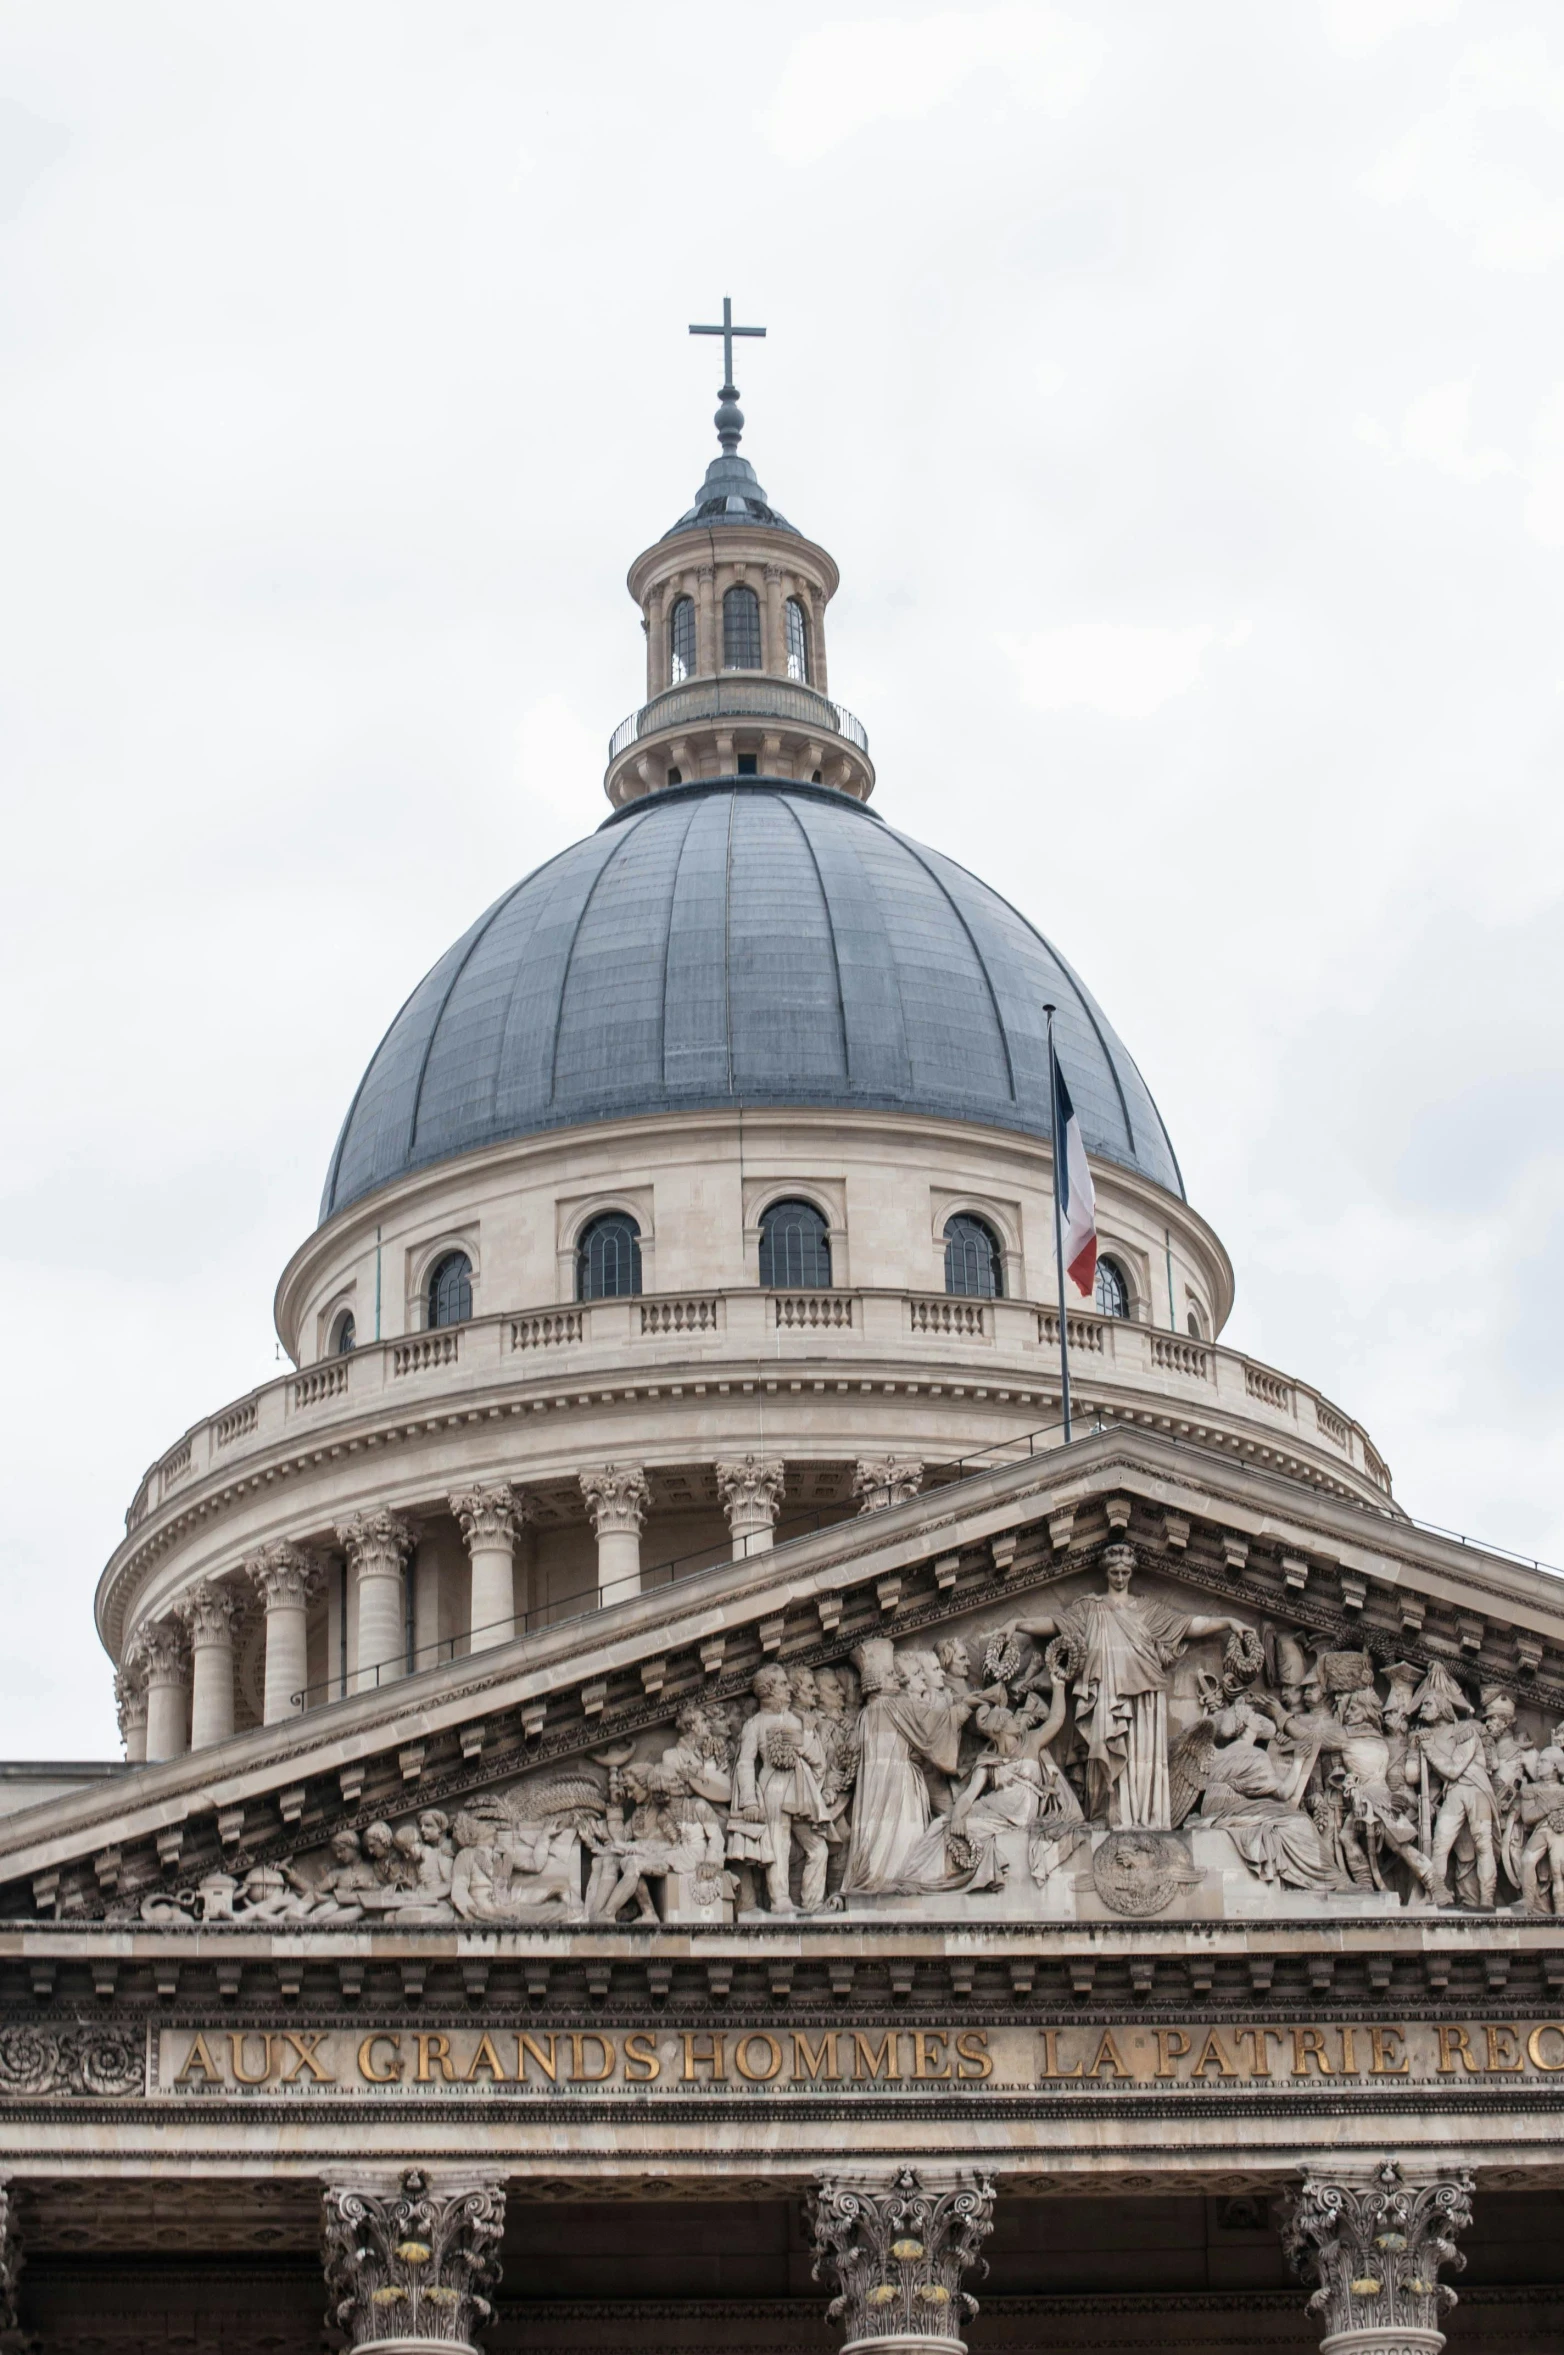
[[869, 2063], [528, 2047], [1503, 2061], [306, 2043], [972, 2054], [1109, 2057], [1385, 2060], [242, 2075], [773, 2056], [711, 2058], [486, 2058], [366, 2059], [1534, 2045], [1453, 2040], [813, 2063], [1308, 2044], [1051, 2066], [1260, 2043], [641, 2062], [928, 2051], [1172, 2045], [199, 2057], [1349, 2052], [1212, 2056], [432, 2046], [579, 2073]]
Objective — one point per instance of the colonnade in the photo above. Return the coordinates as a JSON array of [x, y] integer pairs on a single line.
[[414, 2263], [175, 1688]]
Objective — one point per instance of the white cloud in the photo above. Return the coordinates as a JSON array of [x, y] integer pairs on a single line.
[[861, 70], [1354, 27], [1456, 160], [1436, 431], [559, 760], [1545, 472], [1113, 667]]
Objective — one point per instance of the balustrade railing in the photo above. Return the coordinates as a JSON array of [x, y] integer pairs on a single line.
[[745, 696]]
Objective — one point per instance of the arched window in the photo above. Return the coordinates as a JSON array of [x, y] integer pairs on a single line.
[[344, 1337], [1113, 1293], [797, 642], [450, 1290], [973, 1261], [608, 1258], [1197, 1331], [741, 630], [795, 1248], [681, 640]]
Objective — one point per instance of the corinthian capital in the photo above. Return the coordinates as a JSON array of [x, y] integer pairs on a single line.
[[284, 1575], [418, 2264], [896, 2246], [376, 1544], [159, 1653], [210, 1613], [886, 1480], [495, 1515], [1374, 2245], [616, 1498], [130, 1698], [751, 1490]]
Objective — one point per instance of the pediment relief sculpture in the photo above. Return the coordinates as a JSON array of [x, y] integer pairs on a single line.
[[1117, 1751]]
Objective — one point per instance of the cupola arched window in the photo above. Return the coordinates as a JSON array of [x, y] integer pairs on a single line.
[[795, 1248], [681, 640], [741, 630], [1197, 1331], [344, 1334], [974, 1264], [1113, 1292], [608, 1258], [797, 642], [450, 1290]]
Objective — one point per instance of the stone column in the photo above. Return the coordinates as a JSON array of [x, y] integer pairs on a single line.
[[130, 1705], [210, 1614], [708, 650], [751, 1490], [616, 1499], [377, 1545], [411, 2269], [1374, 2244], [286, 1579], [773, 646], [896, 2245], [492, 1520], [886, 1480], [166, 1656]]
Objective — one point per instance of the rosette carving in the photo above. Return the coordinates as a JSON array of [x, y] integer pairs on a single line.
[[1374, 2247], [415, 2264], [897, 2247], [107, 2062]]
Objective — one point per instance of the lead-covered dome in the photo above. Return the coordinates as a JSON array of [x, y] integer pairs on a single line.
[[739, 944]]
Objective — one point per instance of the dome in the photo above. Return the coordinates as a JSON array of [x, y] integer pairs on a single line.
[[738, 944]]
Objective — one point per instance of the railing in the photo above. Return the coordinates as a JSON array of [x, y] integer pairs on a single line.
[[1016, 1341], [742, 696]]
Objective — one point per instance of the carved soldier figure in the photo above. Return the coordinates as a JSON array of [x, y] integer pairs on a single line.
[[777, 1795], [1542, 1821], [1467, 1822]]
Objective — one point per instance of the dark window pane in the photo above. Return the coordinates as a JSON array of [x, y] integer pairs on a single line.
[[681, 640], [741, 630], [450, 1290], [1113, 1293], [795, 1248], [347, 1334], [797, 642], [973, 1263], [1196, 1331], [608, 1258]]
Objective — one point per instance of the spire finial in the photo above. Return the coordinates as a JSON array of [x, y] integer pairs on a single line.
[[729, 419]]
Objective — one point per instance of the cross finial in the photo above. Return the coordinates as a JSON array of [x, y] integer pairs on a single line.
[[730, 418]]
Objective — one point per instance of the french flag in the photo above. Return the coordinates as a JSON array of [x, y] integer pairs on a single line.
[[1073, 1181]]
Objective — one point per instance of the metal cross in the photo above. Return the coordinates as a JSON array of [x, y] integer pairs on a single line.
[[727, 331]]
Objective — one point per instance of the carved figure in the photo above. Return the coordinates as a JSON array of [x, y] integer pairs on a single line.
[[1016, 1787], [1541, 1810], [1467, 1822], [1251, 1796], [777, 1795], [1125, 1649], [506, 1871], [889, 1851]]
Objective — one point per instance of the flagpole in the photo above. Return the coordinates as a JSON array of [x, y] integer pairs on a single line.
[[1059, 1147]]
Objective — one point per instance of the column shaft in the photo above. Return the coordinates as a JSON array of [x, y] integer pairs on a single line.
[[377, 1545], [617, 1496]]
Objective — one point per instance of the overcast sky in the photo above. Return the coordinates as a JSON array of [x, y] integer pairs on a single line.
[[1181, 391]]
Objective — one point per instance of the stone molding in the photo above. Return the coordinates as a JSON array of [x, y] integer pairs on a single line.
[[376, 1544], [285, 1576], [898, 2246], [617, 1497], [879, 1481], [413, 2268], [492, 1515], [1374, 2245]]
